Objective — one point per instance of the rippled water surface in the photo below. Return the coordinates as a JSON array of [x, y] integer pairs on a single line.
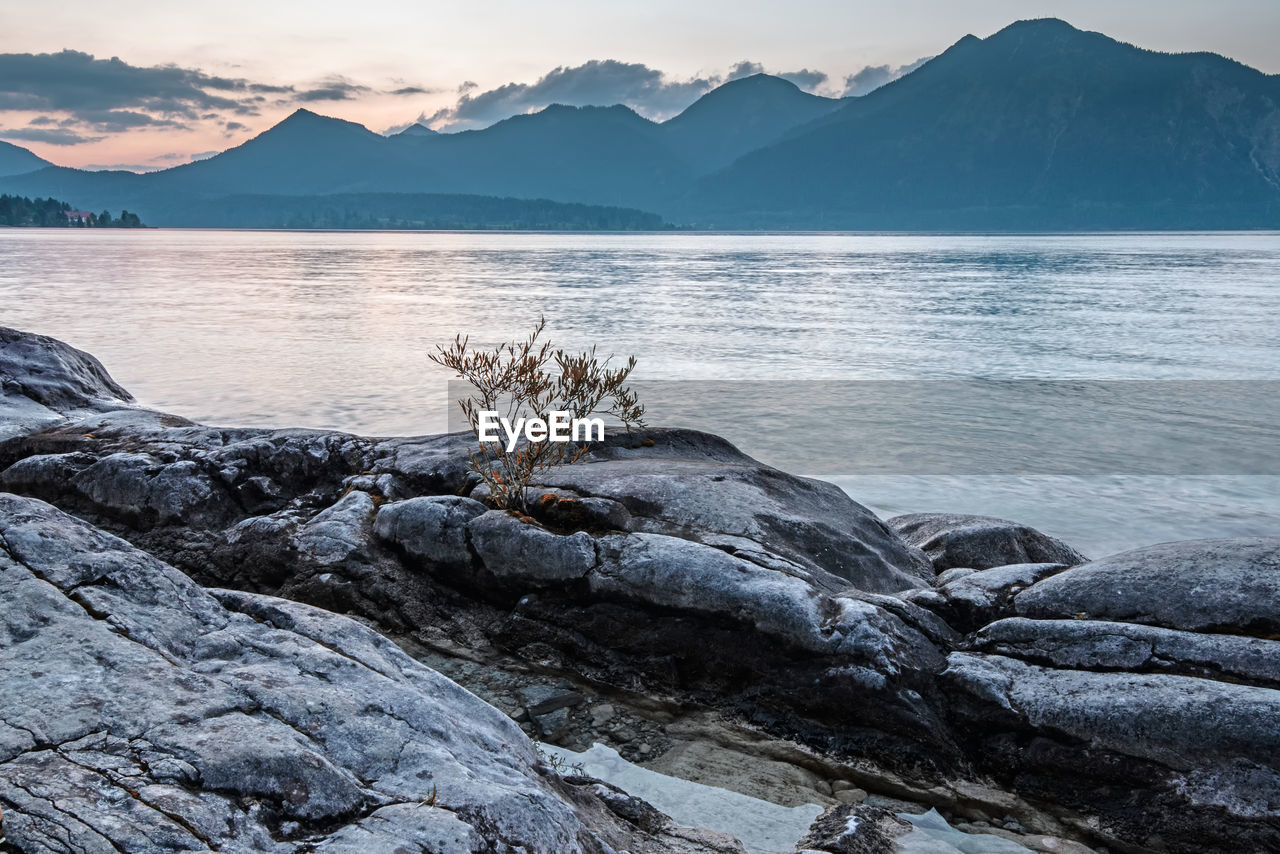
[[332, 330]]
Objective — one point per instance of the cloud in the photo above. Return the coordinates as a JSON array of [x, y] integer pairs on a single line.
[[49, 136], [594, 83], [744, 69], [77, 97], [872, 77], [115, 121], [72, 81], [805, 78], [334, 89]]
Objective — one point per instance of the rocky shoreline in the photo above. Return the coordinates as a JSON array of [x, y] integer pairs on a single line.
[[177, 675]]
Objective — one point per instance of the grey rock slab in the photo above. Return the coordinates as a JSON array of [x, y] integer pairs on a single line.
[[980, 542], [1098, 645], [567, 510], [1229, 586], [432, 529], [141, 486], [43, 380], [338, 533], [697, 486], [671, 572], [518, 550], [1218, 740], [395, 828], [544, 699], [977, 598], [142, 713], [54, 374], [424, 464]]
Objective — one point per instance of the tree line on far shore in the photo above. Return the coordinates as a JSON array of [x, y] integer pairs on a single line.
[[51, 213]]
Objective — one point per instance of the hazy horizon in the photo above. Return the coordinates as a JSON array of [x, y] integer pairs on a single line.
[[82, 85]]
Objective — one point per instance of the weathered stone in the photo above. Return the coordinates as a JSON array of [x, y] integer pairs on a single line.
[[511, 548], [564, 509], [141, 713], [954, 574], [432, 529], [43, 380], [553, 725], [977, 598], [544, 699], [1095, 645], [601, 714], [854, 829], [675, 573], [980, 542], [1206, 751], [694, 485], [339, 533], [1227, 586]]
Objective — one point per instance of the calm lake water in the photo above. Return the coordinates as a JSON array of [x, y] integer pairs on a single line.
[[332, 330]]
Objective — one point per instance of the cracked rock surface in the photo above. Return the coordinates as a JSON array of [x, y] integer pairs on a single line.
[[142, 713]]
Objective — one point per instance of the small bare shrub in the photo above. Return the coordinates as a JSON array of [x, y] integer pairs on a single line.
[[528, 379]]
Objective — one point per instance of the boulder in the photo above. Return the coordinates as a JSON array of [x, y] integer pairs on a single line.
[[975, 598], [43, 380], [683, 617], [142, 713], [855, 829], [697, 486], [980, 542], [340, 533], [673, 573], [431, 529], [1229, 586], [520, 550]]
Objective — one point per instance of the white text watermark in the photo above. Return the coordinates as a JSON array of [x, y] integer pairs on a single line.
[[561, 426]]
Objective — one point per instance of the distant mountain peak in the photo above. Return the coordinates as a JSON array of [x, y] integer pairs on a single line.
[[603, 109], [302, 114], [742, 115], [417, 130], [754, 90], [304, 118], [760, 79], [1046, 25]]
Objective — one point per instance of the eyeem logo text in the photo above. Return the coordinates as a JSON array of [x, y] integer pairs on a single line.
[[560, 427]]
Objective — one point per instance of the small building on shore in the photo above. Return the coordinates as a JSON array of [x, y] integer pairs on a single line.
[[80, 217]]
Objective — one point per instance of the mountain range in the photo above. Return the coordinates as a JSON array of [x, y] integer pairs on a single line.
[[1040, 126]]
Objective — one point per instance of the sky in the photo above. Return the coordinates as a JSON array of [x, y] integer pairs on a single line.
[[154, 83]]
